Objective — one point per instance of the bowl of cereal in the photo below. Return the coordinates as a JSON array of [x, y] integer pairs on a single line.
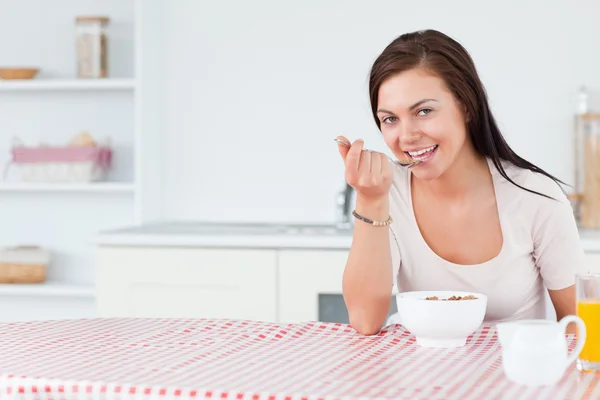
[[441, 318]]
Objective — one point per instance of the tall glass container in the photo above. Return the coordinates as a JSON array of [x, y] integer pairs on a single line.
[[92, 46], [588, 181]]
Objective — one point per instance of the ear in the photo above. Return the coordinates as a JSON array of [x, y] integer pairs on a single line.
[[467, 114]]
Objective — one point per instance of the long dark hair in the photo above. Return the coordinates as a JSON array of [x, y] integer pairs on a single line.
[[448, 59]]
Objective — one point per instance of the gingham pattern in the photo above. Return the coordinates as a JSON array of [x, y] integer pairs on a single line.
[[222, 359]]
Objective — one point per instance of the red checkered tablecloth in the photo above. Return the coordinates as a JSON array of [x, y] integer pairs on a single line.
[[225, 359]]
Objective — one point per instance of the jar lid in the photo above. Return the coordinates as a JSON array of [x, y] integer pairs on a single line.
[[91, 18]]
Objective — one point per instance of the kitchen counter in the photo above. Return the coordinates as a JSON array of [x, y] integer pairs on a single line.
[[590, 240], [222, 235], [259, 272], [200, 234]]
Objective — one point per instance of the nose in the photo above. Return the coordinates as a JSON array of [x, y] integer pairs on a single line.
[[408, 132]]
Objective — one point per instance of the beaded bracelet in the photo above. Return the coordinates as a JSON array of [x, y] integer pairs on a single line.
[[374, 223]]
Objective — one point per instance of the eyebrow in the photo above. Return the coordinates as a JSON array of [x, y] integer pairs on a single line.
[[417, 104]]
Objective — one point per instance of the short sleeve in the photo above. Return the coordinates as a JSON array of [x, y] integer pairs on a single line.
[[558, 252], [395, 253]]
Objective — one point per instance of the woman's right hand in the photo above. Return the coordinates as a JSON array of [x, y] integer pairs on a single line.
[[368, 172]]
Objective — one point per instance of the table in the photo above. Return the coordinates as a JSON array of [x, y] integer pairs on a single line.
[[122, 358]]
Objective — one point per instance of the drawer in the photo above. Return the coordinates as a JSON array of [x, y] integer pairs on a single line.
[[186, 283]]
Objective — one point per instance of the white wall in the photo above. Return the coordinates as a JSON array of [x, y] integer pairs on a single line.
[[257, 90]]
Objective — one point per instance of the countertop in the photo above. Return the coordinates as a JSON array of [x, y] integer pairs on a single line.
[[209, 234], [590, 240]]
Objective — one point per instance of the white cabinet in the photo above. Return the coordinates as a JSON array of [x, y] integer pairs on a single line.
[[304, 276], [186, 283], [260, 284], [283, 285]]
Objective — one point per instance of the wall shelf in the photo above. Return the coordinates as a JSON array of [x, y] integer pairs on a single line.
[[97, 187], [51, 109], [67, 84], [49, 288]]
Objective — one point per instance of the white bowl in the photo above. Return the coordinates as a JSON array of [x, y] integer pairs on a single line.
[[437, 323]]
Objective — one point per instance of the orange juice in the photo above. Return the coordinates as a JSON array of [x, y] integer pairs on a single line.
[[589, 312]]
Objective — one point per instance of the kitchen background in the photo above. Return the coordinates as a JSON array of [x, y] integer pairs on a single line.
[[225, 111]]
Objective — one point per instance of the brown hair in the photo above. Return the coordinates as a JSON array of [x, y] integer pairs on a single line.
[[448, 59]]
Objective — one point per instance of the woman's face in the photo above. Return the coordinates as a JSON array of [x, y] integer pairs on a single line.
[[421, 119]]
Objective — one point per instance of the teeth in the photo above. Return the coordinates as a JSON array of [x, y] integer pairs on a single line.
[[422, 151]]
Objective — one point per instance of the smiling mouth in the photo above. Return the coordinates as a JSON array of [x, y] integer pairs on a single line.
[[423, 154]]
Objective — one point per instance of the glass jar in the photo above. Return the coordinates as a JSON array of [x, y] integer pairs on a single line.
[[588, 170], [91, 44]]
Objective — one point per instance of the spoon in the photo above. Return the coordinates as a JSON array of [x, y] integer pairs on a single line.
[[400, 163]]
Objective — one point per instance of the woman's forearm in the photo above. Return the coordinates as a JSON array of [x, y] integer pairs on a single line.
[[367, 281]]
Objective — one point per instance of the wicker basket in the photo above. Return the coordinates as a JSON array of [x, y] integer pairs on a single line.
[[18, 73], [22, 273], [24, 264]]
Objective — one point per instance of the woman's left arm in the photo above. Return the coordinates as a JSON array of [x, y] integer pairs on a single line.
[[558, 252]]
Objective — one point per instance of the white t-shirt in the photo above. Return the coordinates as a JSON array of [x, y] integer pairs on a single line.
[[541, 247]]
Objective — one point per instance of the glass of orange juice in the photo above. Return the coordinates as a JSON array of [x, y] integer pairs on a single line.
[[588, 309]]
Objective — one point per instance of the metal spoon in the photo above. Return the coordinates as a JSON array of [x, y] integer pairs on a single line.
[[400, 163]]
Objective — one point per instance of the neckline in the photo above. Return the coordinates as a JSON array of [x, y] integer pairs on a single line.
[[423, 242]]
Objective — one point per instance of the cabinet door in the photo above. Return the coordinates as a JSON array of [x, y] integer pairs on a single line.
[[186, 283], [310, 286], [593, 262]]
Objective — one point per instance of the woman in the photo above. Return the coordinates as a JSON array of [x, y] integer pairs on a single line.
[[472, 216]]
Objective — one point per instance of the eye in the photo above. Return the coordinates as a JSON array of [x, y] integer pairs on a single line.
[[389, 120], [424, 111]]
